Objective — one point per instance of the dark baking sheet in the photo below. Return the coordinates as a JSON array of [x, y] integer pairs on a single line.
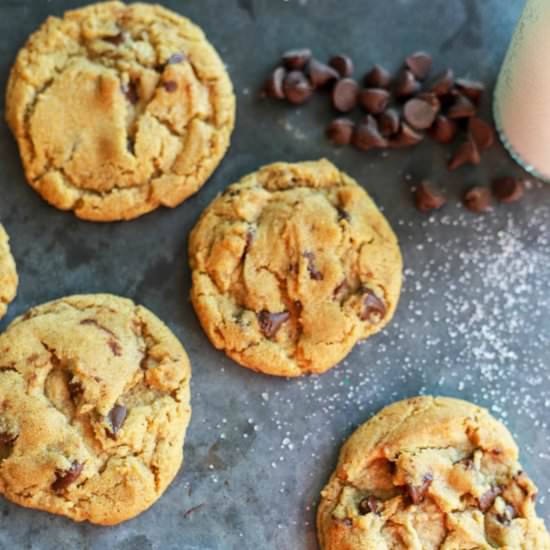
[[473, 319]]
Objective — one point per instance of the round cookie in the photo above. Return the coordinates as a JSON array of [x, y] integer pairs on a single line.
[[8, 273], [119, 109], [430, 473], [291, 267], [94, 405]]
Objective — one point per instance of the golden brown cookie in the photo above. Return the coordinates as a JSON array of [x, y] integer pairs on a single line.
[[119, 109], [430, 474], [94, 405], [8, 273], [291, 267]]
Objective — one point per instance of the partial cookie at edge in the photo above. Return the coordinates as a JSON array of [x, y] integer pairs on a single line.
[[8, 273]]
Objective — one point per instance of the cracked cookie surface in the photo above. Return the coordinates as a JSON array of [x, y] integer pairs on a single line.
[[8, 273], [430, 474], [94, 405], [118, 109], [291, 267]]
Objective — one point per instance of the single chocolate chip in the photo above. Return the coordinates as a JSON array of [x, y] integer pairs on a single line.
[[296, 59], [374, 100], [482, 133], [420, 64], [426, 198], [270, 323], [374, 309], [170, 86], [443, 83], [343, 64], [175, 58], [378, 77], [389, 122], [406, 85], [131, 92], [472, 89], [419, 114], [432, 99], [370, 505], [117, 416], [67, 477], [320, 74], [477, 200], [486, 500], [407, 137], [340, 131], [116, 40], [345, 95], [273, 86], [314, 273], [462, 107], [343, 214], [506, 517], [367, 135], [297, 87], [444, 129], [418, 492], [467, 153], [508, 189]]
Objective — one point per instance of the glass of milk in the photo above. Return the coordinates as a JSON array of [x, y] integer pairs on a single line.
[[522, 95]]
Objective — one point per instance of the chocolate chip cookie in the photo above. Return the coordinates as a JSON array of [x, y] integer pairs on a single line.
[[8, 273], [291, 267], [94, 405], [430, 473], [119, 109]]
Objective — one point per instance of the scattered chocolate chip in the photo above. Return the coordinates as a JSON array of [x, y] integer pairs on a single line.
[[406, 137], [378, 77], [340, 131], [508, 190], [467, 153], [418, 492], [389, 122], [7, 438], [170, 86], [406, 85], [486, 500], [472, 89], [175, 58], [427, 199], [443, 83], [343, 64], [367, 135], [320, 74], [462, 107], [374, 309], [506, 517], [482, 133], [273, 86], [270, 323], [370, 505], [345, 95], [420, 64], [131, 92], [116, 40], [444, 129], [374, 100], [477, 199], [117, 416], [343, 214], [296, 59], [66, 478], [297, 88], [314, 273], [419, 114]]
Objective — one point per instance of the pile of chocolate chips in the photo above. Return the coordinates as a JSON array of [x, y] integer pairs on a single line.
[[400, 111]]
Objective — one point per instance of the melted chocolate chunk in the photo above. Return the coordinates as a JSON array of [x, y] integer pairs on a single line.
[[117, 416], [374, 309], [314, 273], [116, 40], [370, 505], [486, 500], [68, 477], [270, 323], [418, 492], [131, 92], [170, 86], [7, 438], [343, 214]]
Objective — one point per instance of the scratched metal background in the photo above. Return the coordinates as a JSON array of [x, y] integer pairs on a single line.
[[244, 423]]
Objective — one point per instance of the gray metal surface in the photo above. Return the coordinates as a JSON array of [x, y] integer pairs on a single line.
[[473, 320]]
